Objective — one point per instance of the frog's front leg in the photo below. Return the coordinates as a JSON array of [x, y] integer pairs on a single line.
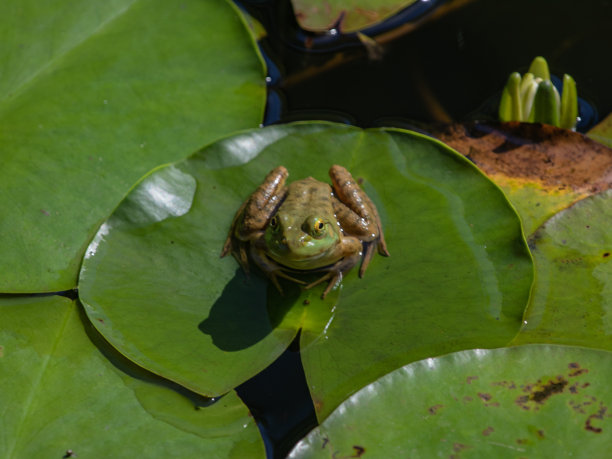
[[267, 265], [350, 248]]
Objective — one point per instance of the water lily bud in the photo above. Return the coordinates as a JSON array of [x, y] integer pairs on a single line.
[[569, 103], [533, 98], [546, 104], [510, 104], [539, 68]]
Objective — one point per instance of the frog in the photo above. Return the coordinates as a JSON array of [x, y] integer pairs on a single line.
[[306, 226]]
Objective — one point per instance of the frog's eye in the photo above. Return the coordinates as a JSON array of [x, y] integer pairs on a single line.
[[274, 223], [316, 227]]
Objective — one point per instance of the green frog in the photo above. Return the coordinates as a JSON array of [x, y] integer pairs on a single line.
[[306, 226]]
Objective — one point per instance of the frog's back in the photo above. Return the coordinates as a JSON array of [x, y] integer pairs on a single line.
[[308, 196]]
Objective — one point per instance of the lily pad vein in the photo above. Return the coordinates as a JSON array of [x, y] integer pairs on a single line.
[[36, 385], [19, 89]]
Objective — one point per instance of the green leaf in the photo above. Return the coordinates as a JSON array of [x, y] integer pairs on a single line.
[[94, 95], [61, 393], [458, 276], [529, 401], [572, 296], [348, 15], [602, 132]]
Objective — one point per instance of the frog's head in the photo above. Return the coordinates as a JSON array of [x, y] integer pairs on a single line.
[[302, 243]]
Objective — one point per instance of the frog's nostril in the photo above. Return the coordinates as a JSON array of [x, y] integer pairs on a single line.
[[284, 241]]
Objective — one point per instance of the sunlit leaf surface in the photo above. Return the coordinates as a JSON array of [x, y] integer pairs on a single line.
[[458, 276], [603, 131], [542, 169], [572, 295], [528, 401], [63, 397], [92, 96]]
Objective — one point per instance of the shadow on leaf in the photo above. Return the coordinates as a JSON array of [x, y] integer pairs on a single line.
[[245, 313]]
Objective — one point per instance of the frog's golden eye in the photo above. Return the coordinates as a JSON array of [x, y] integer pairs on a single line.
[[274, 223], [316, 227]]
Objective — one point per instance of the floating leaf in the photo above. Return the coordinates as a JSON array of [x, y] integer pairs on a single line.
[[528, 401], [347, 15], [61, 394], [571, 301], [458, 276], [603, 131], [542, 169], [92, 96]]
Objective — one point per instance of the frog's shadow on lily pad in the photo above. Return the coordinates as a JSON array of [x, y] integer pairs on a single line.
[[243, 314]]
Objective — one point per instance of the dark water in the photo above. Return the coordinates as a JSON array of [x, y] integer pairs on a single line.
[[449, 68], [458, 60]]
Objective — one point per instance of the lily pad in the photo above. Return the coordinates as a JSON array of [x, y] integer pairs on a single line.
[[62, 397], [603, 131], [542, 169], [528, 401], [458, 277], [346, 15], [571, 301], [92, 97]]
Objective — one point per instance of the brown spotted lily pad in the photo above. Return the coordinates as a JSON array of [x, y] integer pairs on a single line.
[[527, 401], [571, 301], [541, 168]]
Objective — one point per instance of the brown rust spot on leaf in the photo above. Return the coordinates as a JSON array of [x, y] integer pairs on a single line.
[[601, 413], [469, 379], [359, 451], [434, 409], [552, 387], [488, 431], [539, 392], [575, 370]]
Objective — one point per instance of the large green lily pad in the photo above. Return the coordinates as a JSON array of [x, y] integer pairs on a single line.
[[61, 393], [458, 277], [572, 296], [92, 96], [347, 15], [528, 401]]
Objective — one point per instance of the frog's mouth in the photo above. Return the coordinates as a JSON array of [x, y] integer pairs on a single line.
[[312, 263]]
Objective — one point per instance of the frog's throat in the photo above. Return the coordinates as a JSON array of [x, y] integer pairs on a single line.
[[311, 263]]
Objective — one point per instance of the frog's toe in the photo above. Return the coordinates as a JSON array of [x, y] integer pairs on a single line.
[[334, 277], [276, 283], [288, 277]]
